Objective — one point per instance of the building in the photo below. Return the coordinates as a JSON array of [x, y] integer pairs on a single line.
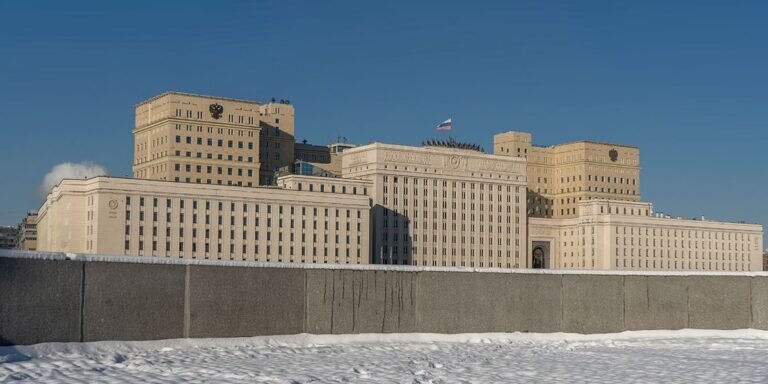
[[212, 140], [220, 178], [28, 232], [443, 204], [308, 220], [337, 150], [310, 160], [304, 168], [611, 234], [765, 260], [311, 153], [321, 159], [8, 237], [561, 176]]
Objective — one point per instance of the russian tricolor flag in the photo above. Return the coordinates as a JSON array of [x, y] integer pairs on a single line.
[[445, 125]]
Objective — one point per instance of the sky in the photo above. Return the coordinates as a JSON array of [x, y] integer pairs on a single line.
[[685, 81]]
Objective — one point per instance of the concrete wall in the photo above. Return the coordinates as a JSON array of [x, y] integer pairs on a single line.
[[68, 300]]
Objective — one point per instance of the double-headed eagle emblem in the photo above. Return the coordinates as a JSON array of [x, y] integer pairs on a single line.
[[216, 110]]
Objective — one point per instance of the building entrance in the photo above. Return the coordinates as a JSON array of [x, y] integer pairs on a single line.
[[540, 255]]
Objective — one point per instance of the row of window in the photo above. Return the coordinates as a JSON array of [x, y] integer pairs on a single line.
[[209, 170], [453, 184], [246, 251], [219, 156], [332, 189], [231, 235], [230, 117], [690, 265], [239, 207]]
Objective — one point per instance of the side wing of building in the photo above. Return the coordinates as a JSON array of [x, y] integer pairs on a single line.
[[312, 220]]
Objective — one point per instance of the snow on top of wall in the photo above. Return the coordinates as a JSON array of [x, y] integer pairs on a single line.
[[355, 267]]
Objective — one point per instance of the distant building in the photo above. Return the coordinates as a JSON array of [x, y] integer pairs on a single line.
[[325, 158], [310, 160], [27, 237], [765, 260], [8, 237], [304, 168], [312, 153]]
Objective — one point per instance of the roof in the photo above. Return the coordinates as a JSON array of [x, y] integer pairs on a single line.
[[588, 142], [197, 95]]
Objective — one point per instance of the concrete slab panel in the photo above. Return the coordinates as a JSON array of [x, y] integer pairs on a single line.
[[242, 301], [759, 302], [39, 301], [719, 302], [536, 304], [344, 301], [636, 302], [449, 302], [668, 302], [655, 302], [130, 301], [593, 303]]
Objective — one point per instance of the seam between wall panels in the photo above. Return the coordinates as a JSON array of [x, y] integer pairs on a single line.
[[624, 302], [562, 306], [751, 305], [187, 309], [82, 303], [305, 303]]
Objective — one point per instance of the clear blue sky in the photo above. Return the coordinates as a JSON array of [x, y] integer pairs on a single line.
[[686, 81]]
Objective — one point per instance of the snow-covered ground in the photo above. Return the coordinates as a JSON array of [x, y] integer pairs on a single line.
[[690, 356]]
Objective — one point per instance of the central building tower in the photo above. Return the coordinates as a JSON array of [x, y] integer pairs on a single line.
[[443, 204]]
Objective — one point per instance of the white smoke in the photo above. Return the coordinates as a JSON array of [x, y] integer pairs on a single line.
[[70, 171]]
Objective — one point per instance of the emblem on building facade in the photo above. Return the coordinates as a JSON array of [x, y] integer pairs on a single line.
[[216, 110], [113, 204], [613, 154]]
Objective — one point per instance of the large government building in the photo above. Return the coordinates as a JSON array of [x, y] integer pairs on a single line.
[[224, 179]]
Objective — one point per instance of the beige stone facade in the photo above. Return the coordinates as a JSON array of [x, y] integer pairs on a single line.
[[570, 206], [439, 206], [212, 140], [561, 176], [611, 235], [309, 220]]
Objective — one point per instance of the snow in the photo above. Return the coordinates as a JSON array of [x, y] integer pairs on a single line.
[[359, 267], [643, 356]]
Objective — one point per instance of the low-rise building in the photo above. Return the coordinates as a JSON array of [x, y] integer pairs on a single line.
[[27, 238], [8, 237], [308, 220], [610, 234]]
